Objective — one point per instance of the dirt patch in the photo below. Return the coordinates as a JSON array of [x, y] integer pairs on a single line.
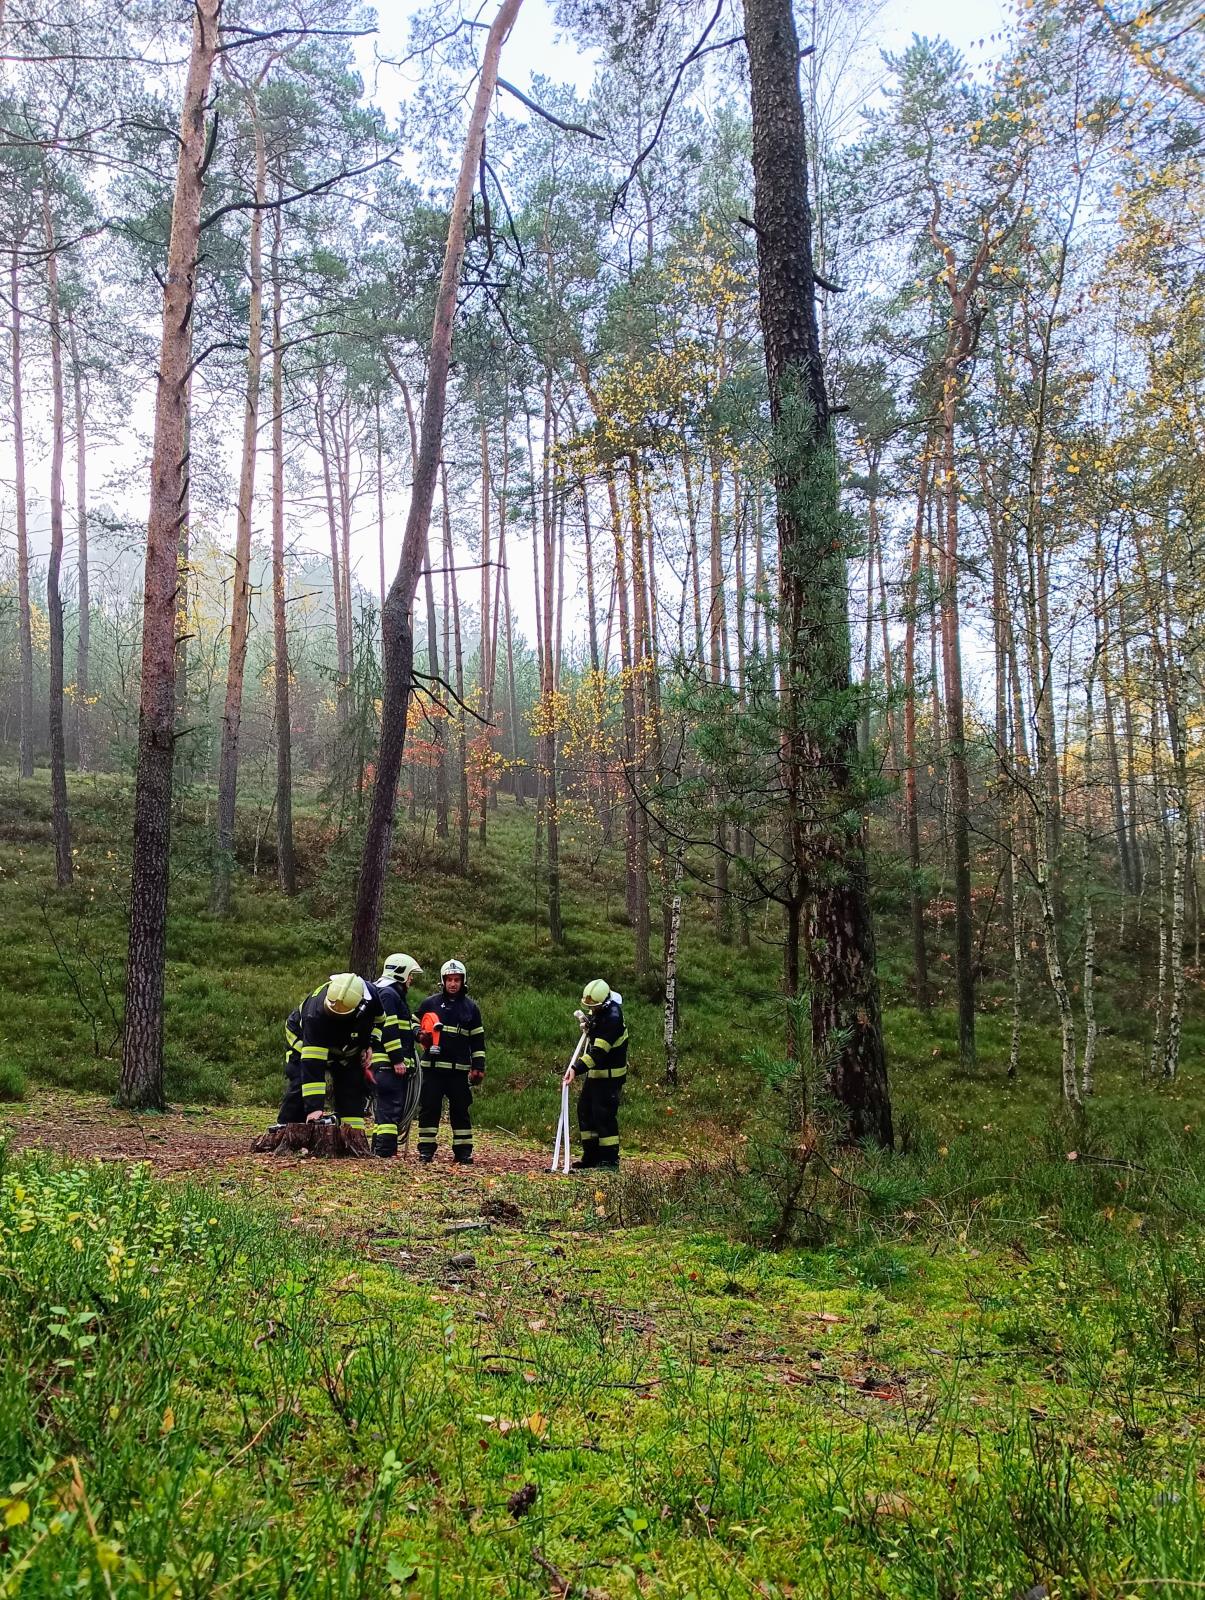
[[204, 1141], [92, 1130]]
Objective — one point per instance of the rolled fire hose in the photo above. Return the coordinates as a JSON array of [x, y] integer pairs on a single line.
[[560, 1150]]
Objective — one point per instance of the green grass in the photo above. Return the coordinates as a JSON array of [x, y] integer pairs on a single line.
[[197, 1396], [985, 1374], [231, 983]]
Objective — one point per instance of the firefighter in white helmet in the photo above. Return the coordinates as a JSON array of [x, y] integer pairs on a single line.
[[389, 1075], [452, 1039]]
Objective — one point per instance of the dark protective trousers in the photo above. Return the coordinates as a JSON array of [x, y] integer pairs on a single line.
[[452, 1084], [389, 1094], [598, 1121], [350, 1092]]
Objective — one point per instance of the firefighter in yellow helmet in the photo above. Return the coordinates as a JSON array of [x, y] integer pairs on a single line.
[[603, 1065], [331, 1030]]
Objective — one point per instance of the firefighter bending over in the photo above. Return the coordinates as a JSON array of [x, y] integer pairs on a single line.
[[603, 1065], [453, 1040], [331, 1030]]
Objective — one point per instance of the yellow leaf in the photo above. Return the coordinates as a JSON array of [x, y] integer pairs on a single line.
[[169, 1421], [537, 1423], [15, 1512]]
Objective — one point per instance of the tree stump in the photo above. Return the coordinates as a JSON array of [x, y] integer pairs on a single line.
[[312, 1138]]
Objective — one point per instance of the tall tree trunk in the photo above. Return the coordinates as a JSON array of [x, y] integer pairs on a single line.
[[512, 695], [548, 684], [240, 613], [184, 607], [380, 452], [24, 614], [1129, 878], [142, 1041], [820, 753], [591, 606], [397, 628], [920, 965], [342, 635], [83, 647], [462, 809], [484, 670], [964, 924], [716, 623], [60, 819], [286, 864], [1088, 1063]]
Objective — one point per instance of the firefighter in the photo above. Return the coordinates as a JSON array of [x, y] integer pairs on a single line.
[[332, 1029], [453, 1039], [390, 1077], [604, 1066]]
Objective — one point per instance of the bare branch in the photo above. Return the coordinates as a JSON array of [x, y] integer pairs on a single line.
[[557, 122]]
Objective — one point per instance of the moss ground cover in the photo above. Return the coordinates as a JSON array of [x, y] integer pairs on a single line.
[[293, 1381], [222, 1375]]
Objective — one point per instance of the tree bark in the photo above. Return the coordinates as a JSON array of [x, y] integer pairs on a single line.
[[83, 647], [548, 683], [920, 965], [142, 1042], [820, 750], [60, 817], [24, 614], [342, 637], [240, 610], [716, 623], [591, 606], [960, 795], [462, 810], [286, 864]]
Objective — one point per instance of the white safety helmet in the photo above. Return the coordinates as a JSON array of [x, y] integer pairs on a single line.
[[399, 967], [452, 969]]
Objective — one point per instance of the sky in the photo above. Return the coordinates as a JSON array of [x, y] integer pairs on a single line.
[[535, 47]]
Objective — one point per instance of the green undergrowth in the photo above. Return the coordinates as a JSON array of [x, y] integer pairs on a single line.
[[293, 1382], [230, 983]]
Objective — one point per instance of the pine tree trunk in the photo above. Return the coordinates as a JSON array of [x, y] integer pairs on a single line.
[[342, 639], [286, 864], [376, 410], [83, 648], [462, 809], [24, 613], [920, 965], [142, 1042], [591, 606], [548, 685], [1088, 1063], [670, 1014], [715, 628], [240, 616], [60, 818], [485, 674], [512, 693], [964, 926], [847, 1033], [184, 612]]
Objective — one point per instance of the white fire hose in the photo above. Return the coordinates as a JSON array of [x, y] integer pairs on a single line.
[[560, 1150]]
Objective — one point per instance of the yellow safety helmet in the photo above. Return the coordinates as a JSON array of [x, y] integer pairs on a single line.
[[344, 993], [596, 993]]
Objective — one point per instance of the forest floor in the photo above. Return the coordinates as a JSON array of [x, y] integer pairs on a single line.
[[259, 1376], [979, 1370]]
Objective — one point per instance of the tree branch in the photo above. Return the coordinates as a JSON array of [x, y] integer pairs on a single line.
[[557, 122]]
